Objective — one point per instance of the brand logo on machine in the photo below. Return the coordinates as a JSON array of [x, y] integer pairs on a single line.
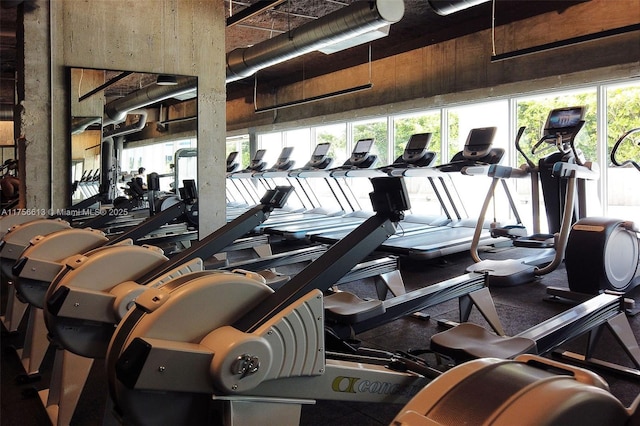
[[345, 384]]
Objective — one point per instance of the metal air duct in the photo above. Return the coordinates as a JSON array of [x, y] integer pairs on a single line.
[[447, 7], [351, 21], [117, 110]]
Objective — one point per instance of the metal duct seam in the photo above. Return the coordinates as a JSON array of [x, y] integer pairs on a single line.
[[358, 18]]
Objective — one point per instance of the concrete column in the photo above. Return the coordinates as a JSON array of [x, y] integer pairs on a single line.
[[33, 119]]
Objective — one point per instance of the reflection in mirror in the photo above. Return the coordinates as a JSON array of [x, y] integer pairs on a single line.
[[126, 125], [85, 156]]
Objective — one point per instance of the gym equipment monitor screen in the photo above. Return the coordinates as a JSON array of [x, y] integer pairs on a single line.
[[321, 150], [480, 138], [232, 157], [286, 152], [259, 154], [363, 146], [419, 141], [565, 118]]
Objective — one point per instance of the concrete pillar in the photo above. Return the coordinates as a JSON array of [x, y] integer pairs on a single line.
[[32, 115]]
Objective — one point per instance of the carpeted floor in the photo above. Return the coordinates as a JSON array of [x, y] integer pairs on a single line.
[[519, 308]]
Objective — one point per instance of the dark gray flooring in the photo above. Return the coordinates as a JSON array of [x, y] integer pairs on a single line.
[[519, 308]]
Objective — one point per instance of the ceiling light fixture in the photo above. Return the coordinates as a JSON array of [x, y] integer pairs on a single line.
[[166, 80]]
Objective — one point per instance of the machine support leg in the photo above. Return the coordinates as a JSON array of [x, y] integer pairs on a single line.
[[36, 342], [69, 375], [484, 302], [14, 311]]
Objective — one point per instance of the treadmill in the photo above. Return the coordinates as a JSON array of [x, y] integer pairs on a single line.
[[312, 207], [248, 193], [360, 159], [445, 236], [415, 154]]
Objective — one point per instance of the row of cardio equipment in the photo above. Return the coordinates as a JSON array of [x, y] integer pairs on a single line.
[[424, 236], [608, 245], [192, 340]]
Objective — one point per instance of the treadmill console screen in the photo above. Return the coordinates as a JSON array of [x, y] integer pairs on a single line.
[[479, 142], [361, 150], [319, 157], [563, 120], [285, 153], [322, 149], [259, 155], [419, 141], [416, 147], [231, 158]]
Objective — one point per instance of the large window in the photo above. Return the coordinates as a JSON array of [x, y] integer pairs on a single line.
[[623, 115], [300, 140], [461, 121], [240, 144], [272, 144], [611, 110], [159, 158], [376, 129], [336, 135], [422, 122]]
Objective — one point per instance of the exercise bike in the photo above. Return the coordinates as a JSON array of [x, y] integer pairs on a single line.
[[602, 253]]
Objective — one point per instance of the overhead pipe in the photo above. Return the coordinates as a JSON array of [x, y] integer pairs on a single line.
[[83, 124], [131, 128], [116, 111], [447, 7], [348, 22]]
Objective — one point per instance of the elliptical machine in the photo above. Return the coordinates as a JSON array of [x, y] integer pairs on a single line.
[[602, 253], [562, 175]]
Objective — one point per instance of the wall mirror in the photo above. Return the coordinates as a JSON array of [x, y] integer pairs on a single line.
[[122, 121]]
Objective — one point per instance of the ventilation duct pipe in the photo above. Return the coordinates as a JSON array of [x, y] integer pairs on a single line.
[[117, 110], [447, 7], [350, 21], [80, 125], [131, 128]]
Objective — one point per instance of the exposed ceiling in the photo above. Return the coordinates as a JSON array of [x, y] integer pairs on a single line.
[[420, 26]]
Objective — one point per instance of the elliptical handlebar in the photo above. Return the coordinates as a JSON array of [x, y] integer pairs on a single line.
[[560, 141], [519, 148], [614, 151]]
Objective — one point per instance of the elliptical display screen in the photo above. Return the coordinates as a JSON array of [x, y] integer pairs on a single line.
[[564, 118], [259, 155]]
